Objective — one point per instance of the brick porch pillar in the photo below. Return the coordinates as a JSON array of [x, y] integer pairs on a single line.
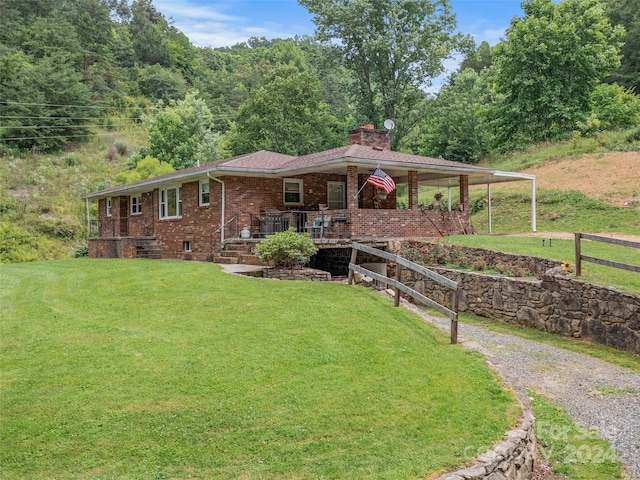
[[352, 188], [413, 190], [464, 193]]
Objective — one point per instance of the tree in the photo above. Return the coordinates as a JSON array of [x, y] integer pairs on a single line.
[[454, 127], [181, 132], [477, 59], [627, 14], [285, 115], [393, 48], [547, 67]]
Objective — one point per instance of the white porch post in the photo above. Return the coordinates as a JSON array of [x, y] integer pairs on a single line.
[[533, 205], [489, 205], [449, 199]]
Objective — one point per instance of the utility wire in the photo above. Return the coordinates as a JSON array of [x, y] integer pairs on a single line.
[[56, 136], [5, 102], [20, 127]]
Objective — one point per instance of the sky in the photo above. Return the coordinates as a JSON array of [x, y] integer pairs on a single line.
[[220, 23]]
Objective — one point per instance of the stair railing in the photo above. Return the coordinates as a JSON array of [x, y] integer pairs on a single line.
[[218, 230]]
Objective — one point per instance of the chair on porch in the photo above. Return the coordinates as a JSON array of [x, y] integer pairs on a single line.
[[316, 228]]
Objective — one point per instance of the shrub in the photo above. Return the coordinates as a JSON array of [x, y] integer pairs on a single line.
[[121, 147], [287, 249]]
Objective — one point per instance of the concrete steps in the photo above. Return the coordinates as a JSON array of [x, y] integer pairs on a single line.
[[148, 248], [238, 253]]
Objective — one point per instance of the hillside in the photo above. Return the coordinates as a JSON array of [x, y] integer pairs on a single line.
[[612, 177]]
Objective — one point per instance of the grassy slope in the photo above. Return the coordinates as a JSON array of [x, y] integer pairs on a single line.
[[40, 202], [153, 369]]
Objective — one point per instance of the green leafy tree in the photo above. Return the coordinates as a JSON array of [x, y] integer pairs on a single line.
[[148, 28], [547, 68], [285, 115], [454, 127], [627, 14], [392, 48], [612, 107], [148, 167], [180, 133], [477, 59]]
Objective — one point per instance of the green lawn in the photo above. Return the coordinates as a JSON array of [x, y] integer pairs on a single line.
[[564, 250], [155, 369]]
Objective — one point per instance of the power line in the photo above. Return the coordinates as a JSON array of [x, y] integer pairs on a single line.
[[5, 102], [25, 127], [20, 117], [59, 136]]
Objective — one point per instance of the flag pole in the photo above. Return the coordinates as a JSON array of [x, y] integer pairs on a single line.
[[365, 183]]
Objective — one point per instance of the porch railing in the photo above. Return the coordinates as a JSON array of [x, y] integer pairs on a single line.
[[318, 224]]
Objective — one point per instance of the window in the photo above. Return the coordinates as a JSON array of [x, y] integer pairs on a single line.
[[136, 204], [186, 245], [204, 193], [171, 202], [108, 206], [292, 191], [336, 197]]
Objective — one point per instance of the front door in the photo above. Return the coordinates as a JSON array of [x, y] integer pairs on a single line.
[[124, 216]]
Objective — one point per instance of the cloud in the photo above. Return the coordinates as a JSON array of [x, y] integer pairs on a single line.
[[225, 23]]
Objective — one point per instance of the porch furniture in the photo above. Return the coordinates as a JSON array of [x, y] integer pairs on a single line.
[[315, 229], [319, 225]]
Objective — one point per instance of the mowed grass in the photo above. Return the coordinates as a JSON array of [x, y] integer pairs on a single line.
[[154, 369]]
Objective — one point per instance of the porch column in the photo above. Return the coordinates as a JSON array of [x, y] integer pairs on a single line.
[[413, 189], [464, 192], [352, 188]]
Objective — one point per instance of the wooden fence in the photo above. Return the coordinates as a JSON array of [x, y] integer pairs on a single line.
[[398, 286], [600, 261]]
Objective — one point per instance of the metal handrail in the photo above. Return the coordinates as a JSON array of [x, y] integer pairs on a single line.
[[218, 230]]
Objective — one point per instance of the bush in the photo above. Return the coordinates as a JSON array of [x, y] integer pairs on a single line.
[[287, 249]]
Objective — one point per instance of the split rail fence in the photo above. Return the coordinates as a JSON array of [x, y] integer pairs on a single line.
[[601, 261], [398, 286]]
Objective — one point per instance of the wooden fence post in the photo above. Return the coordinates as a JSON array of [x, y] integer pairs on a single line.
[[397, 290], [578, 255], [454, 321], [354, 256]]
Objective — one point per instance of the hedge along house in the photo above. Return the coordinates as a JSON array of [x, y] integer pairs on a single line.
[[193, 213]]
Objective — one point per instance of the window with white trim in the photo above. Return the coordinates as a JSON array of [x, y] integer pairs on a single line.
[[336, 197], [171, 202], [186, 245], [292, 191], [204, 193], [108, 206], [136, 204]]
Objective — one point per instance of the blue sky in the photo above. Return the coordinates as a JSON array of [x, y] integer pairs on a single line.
[[218, 23]]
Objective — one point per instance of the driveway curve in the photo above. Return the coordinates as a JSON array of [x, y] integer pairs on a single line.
[[596, 394]]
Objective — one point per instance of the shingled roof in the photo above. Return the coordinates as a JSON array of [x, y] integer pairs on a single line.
[[271, 164]]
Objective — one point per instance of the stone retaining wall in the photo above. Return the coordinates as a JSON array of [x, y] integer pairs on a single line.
[[308, 274], [555, 304]]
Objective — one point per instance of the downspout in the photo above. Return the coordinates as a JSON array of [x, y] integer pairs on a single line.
[[221, 182]]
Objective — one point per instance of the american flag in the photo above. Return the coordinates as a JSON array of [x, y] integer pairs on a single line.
[[381, 180]]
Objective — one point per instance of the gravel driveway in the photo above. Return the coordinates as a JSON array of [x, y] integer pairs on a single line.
[[594, 393]]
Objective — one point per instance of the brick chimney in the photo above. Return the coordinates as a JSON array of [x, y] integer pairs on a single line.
[[368, 136]]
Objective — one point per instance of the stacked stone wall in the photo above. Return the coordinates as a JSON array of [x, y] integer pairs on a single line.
[[556, 304]]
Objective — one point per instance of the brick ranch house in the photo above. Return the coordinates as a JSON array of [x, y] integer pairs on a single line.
[[194, 213]]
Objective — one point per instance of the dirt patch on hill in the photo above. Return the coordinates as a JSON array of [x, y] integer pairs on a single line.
[[611, 177]]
